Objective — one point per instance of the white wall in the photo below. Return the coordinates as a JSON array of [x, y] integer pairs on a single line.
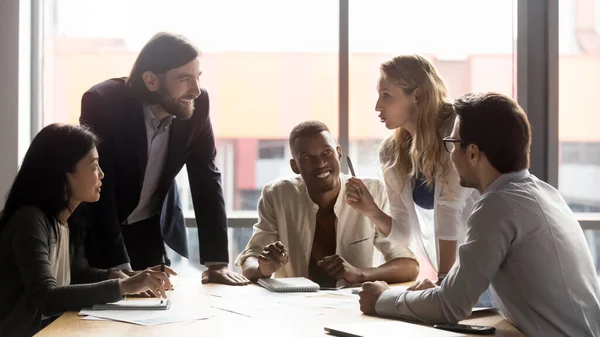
[[10, 94]]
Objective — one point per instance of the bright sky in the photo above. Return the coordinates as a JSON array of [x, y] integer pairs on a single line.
[[449, 29]]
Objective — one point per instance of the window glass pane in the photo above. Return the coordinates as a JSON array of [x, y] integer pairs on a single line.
[[579, 104], [593, 239], [473, 51], [267, 65]]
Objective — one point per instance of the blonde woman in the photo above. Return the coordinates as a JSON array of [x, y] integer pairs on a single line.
[[427, 202]]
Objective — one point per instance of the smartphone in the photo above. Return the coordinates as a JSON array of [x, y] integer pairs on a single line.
[[468, 329]]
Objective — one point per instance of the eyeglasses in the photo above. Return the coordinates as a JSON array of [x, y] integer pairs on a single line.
[[449, 143]]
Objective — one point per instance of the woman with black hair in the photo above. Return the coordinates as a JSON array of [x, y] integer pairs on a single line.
[[44, 271]]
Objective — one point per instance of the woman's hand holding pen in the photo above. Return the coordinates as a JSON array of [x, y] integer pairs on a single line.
[[151, 282], [359, 197]]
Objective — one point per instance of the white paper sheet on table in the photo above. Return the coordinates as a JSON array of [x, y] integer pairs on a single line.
[[177, 313], [477, 309], [334, 301], [93, 318], [262, 308]]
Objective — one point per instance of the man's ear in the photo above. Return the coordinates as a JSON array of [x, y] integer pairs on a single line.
[[294, 166], [339, 151], [473, 154], [151, 80]]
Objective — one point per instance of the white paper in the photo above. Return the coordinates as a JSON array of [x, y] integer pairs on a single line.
[[177, 313], [93, 318], [262, 308], [327, 300], [476, 309]]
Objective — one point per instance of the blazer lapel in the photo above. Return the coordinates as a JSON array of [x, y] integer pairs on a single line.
[[134, 133]]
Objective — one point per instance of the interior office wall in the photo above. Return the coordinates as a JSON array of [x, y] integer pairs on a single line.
[[9, 94]]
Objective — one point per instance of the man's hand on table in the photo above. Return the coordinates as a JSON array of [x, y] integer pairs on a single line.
[[221, 274], [369, 294]]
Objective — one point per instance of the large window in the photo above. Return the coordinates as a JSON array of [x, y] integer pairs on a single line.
[[579, 104], [267, 65], [265, 69], [579, 110], [468, 58]]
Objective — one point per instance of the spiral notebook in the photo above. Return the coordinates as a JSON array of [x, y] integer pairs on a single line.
[[289, 284]]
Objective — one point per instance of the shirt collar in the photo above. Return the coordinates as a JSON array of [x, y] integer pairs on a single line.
[[505, 179], [151, 118]]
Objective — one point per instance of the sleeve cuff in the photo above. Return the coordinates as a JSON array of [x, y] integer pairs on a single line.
[[244, 255], [116, 291], [212, 263], [400, 252], [123, 266], [386, 303]]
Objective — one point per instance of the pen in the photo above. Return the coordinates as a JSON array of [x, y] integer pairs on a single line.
[[162, 269], [350, 166]]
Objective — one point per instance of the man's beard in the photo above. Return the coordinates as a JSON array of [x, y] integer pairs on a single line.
[[174, 107]]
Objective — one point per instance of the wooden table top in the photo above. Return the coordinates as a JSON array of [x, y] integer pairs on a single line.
[[286, 321]]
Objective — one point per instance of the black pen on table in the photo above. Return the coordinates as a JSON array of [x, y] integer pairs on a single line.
[[162, 268]]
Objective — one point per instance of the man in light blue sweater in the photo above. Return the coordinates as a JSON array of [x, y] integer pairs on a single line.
[[522, 238]]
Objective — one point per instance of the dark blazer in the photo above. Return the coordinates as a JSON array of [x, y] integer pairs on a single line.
[[28, 288], [116, 116]]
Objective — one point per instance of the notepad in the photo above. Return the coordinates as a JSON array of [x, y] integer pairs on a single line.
[[137, 304], [289, 284]]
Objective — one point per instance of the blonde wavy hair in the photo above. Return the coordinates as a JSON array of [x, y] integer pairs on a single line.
[[434, 120]]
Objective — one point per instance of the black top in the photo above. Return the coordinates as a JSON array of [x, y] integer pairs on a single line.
[[422, 194], [28, 288]]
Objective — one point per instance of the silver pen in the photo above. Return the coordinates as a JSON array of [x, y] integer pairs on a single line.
[[350, 166]]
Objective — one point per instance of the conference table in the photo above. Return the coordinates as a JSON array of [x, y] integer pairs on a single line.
[[257, 315]]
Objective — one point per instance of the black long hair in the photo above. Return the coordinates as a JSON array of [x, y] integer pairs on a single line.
[[164, 51], [42, 179]]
